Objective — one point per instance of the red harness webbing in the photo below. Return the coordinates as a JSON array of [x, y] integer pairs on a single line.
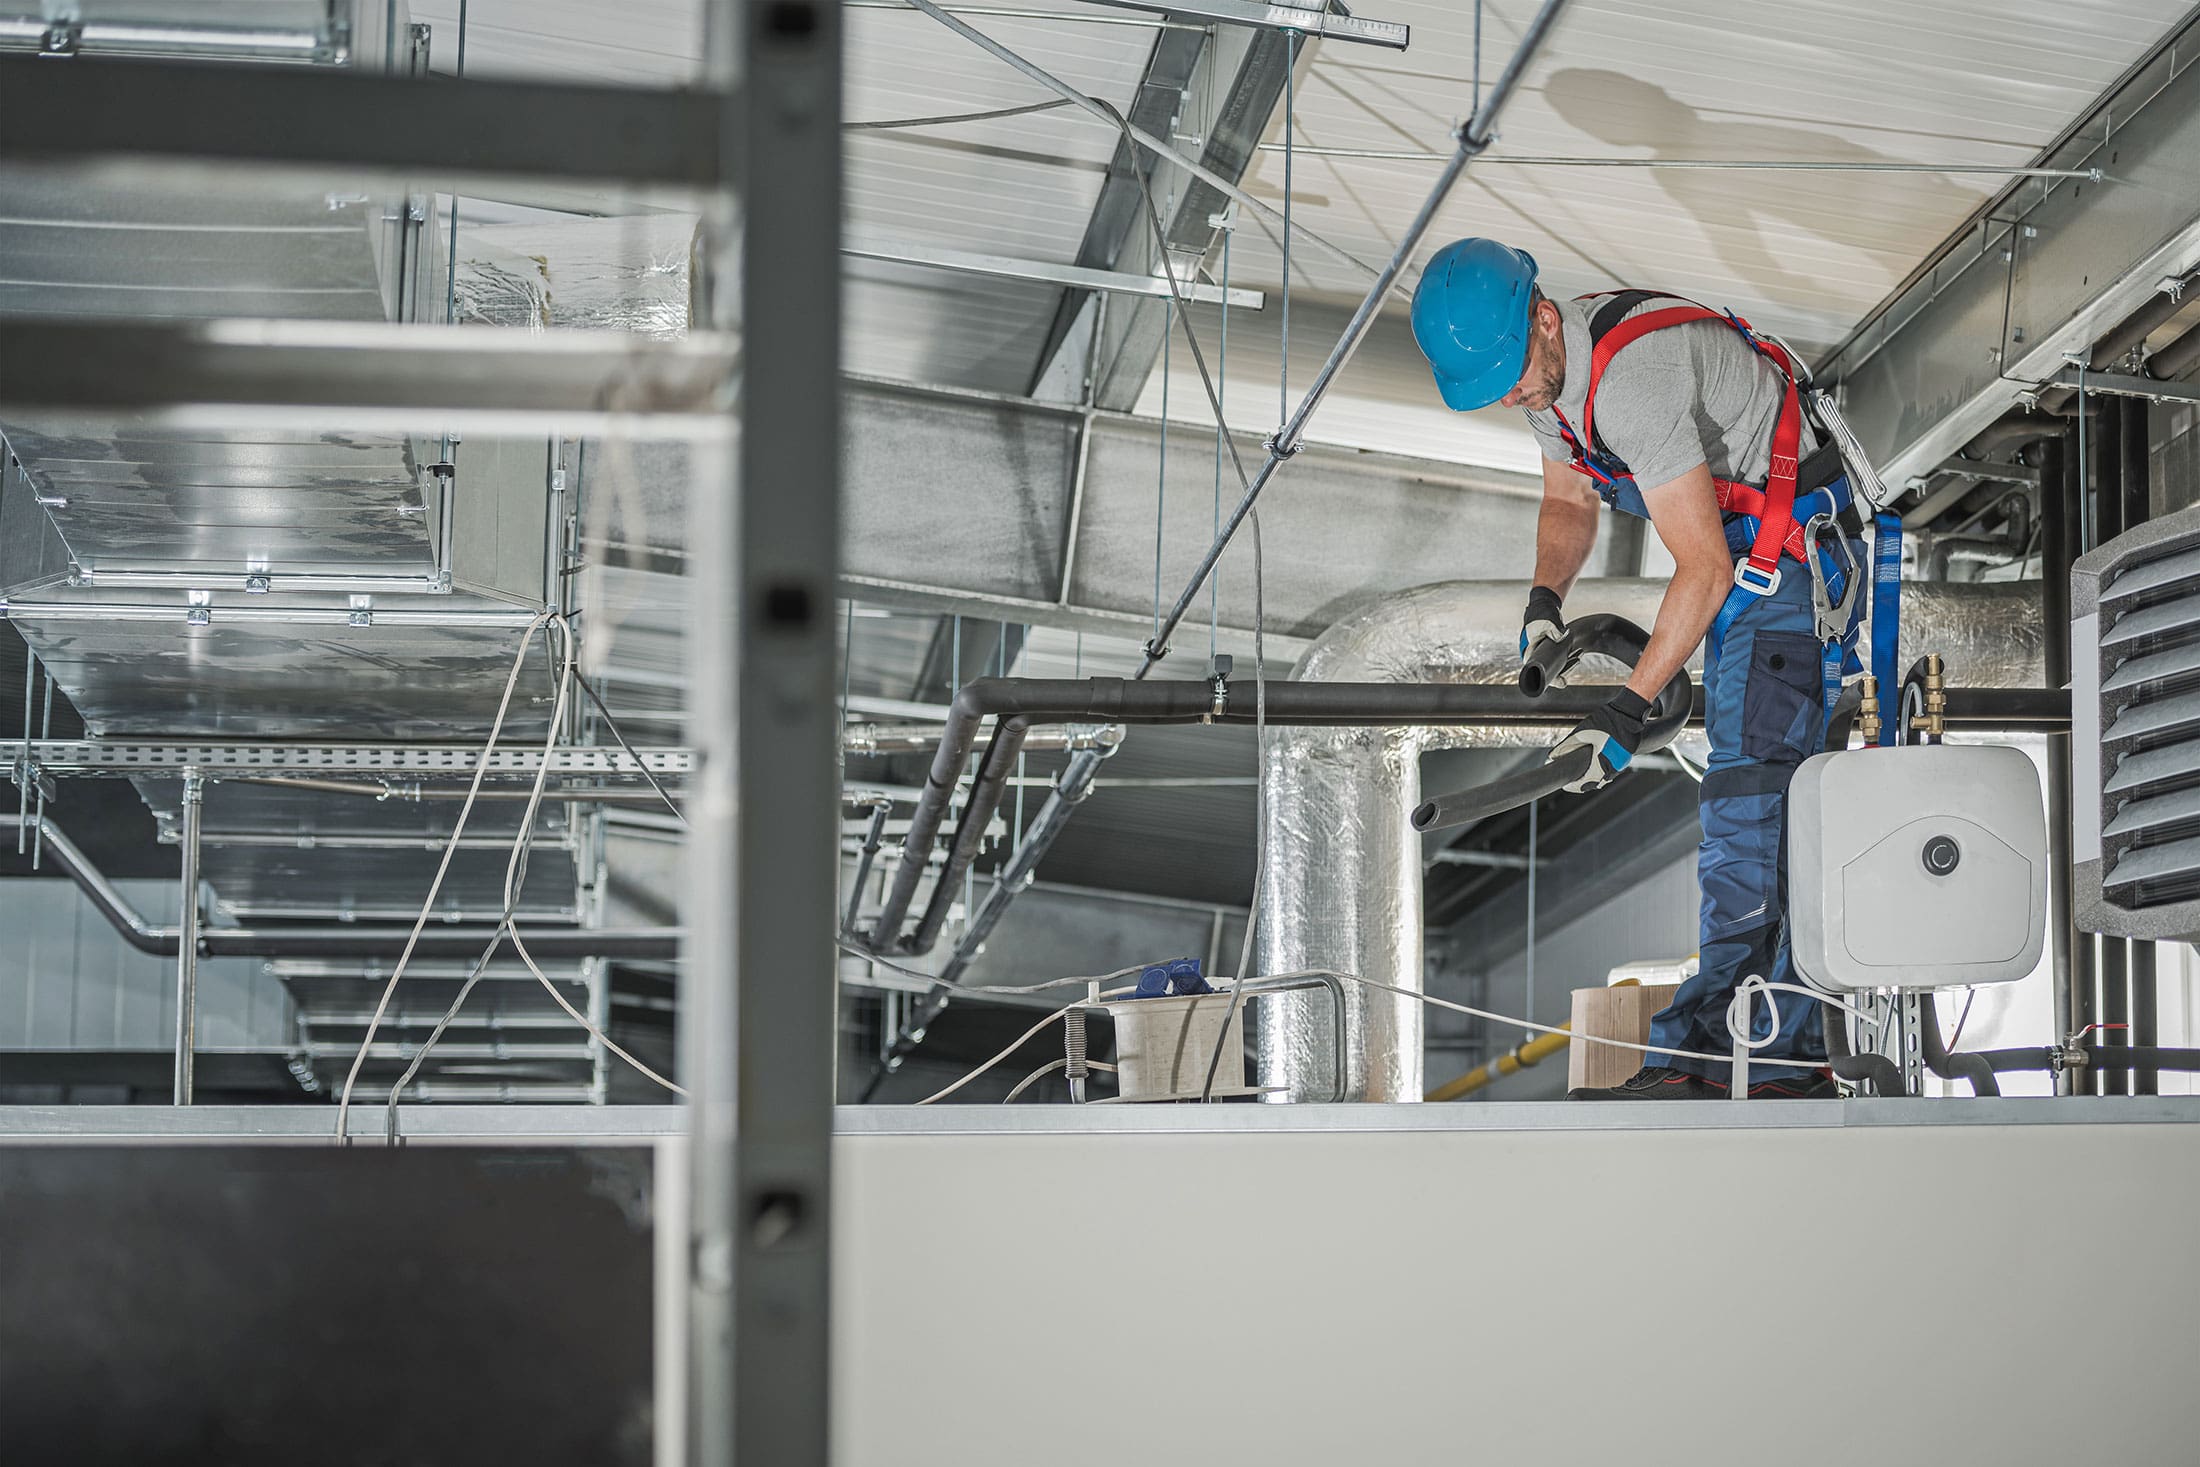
[[1773, 506]]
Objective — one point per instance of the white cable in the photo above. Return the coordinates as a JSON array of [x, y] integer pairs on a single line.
[[1047, 1069], [1469, 1009], [1014, 1045], [450, 847], [581, 1019]]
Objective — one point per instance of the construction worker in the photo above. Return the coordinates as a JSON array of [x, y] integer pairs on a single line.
[[1660, 408]]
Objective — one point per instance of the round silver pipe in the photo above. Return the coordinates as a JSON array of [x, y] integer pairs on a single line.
[[1342, 884]]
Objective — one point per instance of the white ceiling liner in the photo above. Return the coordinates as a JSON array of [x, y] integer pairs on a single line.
[[1802, 254]]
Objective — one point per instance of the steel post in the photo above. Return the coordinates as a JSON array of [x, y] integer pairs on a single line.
[[765, 705], [187, 944]]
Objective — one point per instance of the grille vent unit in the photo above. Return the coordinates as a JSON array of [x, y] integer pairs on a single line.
[[2135, 700]]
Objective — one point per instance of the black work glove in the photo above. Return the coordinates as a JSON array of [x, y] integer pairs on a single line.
[[1613, 733], [1542, 621]]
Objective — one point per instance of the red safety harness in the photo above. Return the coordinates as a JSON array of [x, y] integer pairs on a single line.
[[1773, 506]]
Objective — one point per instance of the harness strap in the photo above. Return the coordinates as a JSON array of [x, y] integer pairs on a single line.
[[1777, 532], [1887, 615]]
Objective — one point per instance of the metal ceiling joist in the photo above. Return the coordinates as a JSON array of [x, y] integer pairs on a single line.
[[138, 756], [325, 376], [2036, 275], [1327, 26], [87, 110], [1084, 280]]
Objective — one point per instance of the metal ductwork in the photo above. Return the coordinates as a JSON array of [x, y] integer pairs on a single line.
[[1341, 886]]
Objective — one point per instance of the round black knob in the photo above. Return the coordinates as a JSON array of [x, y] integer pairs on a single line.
[[1942, 855]]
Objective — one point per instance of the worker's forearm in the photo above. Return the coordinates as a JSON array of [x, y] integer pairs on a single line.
[[1692, 601], [1565, 533]]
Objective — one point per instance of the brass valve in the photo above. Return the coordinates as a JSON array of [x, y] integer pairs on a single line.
[[1867, 711], [1933, 722]]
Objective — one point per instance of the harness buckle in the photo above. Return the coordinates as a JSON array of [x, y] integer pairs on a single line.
[[1754, 581]]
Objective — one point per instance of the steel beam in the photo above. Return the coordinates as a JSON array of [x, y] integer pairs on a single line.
[[1325, 24], [1008, 268], [370, 377], [93, 110], [2035, 276]]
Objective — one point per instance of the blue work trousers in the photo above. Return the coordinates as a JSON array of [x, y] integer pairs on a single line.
[[1765, 714]]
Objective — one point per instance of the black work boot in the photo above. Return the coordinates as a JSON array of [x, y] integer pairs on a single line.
[[1656, 1082], [1817, 1085]]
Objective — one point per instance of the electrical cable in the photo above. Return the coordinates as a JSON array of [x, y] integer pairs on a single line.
[[1014, 1045], [435, 887], [1047, 1069], [515, 881], [613, 724], [892, 122]]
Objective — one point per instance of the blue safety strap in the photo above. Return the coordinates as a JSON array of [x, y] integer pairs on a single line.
[[1886, 613]]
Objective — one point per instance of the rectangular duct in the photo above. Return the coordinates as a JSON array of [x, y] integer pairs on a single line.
[[2135, 707]]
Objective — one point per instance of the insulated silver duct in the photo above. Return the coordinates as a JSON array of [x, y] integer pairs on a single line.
[[1342, 886]]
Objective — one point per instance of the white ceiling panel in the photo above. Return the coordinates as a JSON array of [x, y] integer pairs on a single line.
[[1801, 254]]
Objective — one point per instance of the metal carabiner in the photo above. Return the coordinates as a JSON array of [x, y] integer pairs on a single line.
[[1833, 617]]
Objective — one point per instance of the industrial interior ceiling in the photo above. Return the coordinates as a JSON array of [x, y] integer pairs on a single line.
[[277, 585]]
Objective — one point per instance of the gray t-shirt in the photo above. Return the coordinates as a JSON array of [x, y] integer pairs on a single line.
[[1678, 397]]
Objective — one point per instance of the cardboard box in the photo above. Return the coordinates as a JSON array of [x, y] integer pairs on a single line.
[[1613, 1013]]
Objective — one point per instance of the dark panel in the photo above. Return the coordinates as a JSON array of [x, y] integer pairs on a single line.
[[243, 1304]]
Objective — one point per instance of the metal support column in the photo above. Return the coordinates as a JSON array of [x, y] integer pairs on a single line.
[[2119, 415], [765, 837], [2135, 509], [2056, 534], [187, 942]]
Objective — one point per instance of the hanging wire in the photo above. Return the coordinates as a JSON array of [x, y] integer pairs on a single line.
[[1290, 151], [1476, 110], [1161, 479]]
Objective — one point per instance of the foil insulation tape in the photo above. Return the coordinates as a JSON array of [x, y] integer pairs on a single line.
[[1342, 864]]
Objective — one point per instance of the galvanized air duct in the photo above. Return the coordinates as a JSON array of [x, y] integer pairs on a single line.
[[1342, 867]]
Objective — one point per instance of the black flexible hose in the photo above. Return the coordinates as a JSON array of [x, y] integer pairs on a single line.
[[1883, 1073], [1599, 634], [1972, 1067]]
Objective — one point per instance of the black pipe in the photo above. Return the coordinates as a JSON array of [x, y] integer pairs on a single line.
[[2177, 358], [1022, 703], [1950, 1066], [2127, 1058], [1883, 1073], [863, 865], [1599, 634], [2146, 1018], [2076, 518]]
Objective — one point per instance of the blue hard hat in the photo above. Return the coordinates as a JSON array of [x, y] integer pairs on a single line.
[[1470, 317]]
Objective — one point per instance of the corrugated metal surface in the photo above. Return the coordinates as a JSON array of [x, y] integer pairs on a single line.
[[1803, 254]]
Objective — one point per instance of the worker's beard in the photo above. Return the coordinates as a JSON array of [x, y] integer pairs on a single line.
[[1540, 384]]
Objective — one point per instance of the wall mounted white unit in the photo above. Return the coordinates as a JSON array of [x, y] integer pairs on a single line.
[[2135, 732], [1917, 867]]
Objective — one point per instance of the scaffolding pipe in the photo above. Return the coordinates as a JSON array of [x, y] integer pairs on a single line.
[[342, 941]]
